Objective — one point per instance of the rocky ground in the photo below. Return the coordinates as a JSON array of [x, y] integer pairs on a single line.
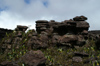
[[66, 43]]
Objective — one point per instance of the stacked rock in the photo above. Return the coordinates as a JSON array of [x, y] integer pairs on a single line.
[[41, 25], [76, 26], [81, 25], [68, 32]]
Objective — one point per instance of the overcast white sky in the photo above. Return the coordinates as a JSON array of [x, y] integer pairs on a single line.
[[26, 12]]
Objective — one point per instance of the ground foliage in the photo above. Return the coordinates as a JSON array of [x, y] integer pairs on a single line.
[[56, 56]]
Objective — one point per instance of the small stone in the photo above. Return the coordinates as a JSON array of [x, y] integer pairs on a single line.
[[77, 59]]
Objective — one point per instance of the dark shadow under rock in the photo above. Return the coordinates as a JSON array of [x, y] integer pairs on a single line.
[[81, 54]]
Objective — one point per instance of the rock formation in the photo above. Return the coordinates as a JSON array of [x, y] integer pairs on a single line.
[[51, 33], [34, 58], [76, 26], [69, 34]]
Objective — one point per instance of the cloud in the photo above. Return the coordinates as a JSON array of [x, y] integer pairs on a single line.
[[26, 12], [12, 20]]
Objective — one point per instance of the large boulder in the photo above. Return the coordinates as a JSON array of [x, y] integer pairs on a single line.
[[36, 42], [82, 24], [80, 18], [21, 28], [82, 27], [68, 40], [34, 58]]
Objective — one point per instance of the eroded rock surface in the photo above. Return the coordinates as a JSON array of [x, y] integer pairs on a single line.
[[34, 58]]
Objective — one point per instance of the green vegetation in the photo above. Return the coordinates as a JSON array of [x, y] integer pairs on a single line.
[[56, 56]]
